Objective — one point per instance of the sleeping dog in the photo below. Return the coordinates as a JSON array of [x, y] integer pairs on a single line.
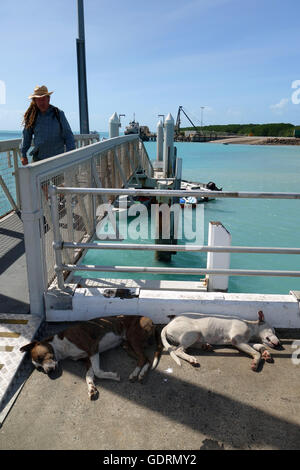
[[88, 339], [205, 330]]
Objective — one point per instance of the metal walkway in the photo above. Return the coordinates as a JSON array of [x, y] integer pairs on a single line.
[[17, 326], [13, 272]]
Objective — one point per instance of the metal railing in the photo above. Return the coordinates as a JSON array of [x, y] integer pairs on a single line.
[[9, 168], [106, 164], [59, 244]]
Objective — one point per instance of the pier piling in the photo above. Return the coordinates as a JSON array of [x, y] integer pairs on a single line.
[[160, 141], [114, 125], [168, 153]]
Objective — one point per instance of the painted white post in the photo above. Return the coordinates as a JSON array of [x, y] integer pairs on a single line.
[[159, 141], [114, 124], [168, 154], [32, 217], [218, 236]]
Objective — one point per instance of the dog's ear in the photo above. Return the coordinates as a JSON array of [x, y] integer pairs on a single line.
[[171, 317], [261, 317], [28, 347], [146, 324]]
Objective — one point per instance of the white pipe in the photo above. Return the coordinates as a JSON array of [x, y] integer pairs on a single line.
[[194, 271], [179, 193], [196, 248]]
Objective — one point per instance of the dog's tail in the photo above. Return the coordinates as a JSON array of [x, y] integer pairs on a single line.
[[159, 348], [168, 346]]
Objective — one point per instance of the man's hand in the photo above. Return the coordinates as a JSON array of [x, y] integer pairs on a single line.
[[24, 161]]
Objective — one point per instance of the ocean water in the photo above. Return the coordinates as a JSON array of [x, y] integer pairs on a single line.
[[251, 222], [8, 135]]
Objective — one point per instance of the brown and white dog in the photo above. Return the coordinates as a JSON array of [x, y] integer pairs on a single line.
[[88, 339]]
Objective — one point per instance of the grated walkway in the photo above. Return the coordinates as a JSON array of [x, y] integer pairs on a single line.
[[13, 272], [17, 326]]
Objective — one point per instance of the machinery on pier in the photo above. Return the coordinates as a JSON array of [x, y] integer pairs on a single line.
[[196, 137]]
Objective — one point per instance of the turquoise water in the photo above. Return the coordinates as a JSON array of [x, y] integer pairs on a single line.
[[251, 222], [8, 135]]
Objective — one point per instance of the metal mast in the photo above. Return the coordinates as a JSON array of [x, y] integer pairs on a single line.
[[81, 68]]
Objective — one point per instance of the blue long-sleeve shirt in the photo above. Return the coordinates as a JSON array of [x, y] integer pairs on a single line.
[[48, 136]]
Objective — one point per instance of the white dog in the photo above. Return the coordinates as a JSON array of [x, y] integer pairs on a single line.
[[185, 332]]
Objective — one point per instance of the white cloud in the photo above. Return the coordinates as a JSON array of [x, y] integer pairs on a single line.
[[278, 107]]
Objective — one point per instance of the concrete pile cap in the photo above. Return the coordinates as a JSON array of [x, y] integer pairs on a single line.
[[169, 119], [114, 118]]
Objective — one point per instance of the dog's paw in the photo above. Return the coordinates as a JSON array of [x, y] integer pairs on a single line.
[[132, 378], [135, 374], [141, 379], [143, 373], [93, 392], [193, 360], [195, 364], [254, 365], [267, 356]]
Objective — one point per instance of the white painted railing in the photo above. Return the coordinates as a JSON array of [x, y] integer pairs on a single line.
[[59, 244], [103, 164], [9, 168]]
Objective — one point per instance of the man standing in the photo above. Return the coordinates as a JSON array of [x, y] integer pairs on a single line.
[[49, 127]]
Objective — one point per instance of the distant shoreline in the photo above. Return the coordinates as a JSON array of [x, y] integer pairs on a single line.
[[255, 140]]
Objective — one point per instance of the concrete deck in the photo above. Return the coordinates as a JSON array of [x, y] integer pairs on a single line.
[[222, 404]]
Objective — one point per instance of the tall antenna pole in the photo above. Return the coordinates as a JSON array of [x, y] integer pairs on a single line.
[[81, 68]]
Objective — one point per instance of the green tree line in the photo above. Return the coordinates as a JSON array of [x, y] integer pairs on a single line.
[[271, 130]]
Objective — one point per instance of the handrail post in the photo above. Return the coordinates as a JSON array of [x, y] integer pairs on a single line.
[[57, 241], [218, 236], [32, 217], [17, 179]]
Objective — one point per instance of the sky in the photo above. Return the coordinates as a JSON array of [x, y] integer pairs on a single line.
[[238, 59]]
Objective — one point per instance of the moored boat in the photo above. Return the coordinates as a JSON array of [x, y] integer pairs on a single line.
[[192, 201]]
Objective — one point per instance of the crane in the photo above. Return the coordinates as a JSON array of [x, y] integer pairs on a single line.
[[177, 125]]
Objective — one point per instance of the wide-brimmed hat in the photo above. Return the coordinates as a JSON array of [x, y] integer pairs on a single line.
[[40, 91]]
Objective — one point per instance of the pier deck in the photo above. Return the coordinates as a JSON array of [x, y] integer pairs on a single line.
[[14, 296], [222, 404]]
